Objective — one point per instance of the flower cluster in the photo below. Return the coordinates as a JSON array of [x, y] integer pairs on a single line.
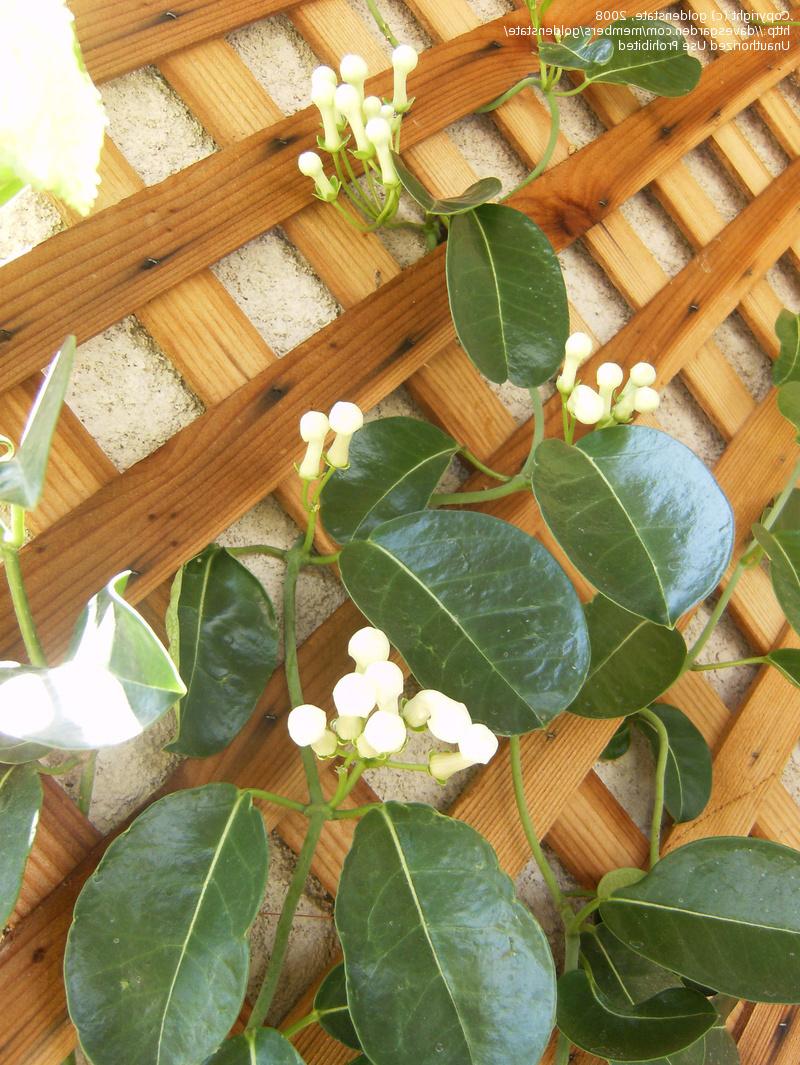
[[365, 125], [373, 719], [345, 419], [606, 405]]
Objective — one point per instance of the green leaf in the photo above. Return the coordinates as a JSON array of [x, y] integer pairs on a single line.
[[787, 366], [395, 465], [639, 515], [332, 996], [633, 661], [264, 1046], [720, 1048], [226, 649], [507, 295], [789, 518], [444, 965], [480, 192], [20, 801], [650, 53], [578, 49], [783, 551], [16, 752], [116, 657], [722, 912], [789, 402], [618, 878], [692, 1055], [22, 477], [669, 1021], [687, 784], [157, 957], [478, 609], [787, 661], [619, 744], [622, 976]]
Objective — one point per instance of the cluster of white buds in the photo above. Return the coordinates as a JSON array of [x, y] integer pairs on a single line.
[[372, 123], [605, 405], [373, 719], [345, 419]]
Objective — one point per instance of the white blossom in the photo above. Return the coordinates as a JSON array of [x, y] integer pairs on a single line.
[[404, 60], [345, 420], [313, 430], [385, 732], [307, 725]]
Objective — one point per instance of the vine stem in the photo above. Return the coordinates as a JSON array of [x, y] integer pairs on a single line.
[[545, 868], [294, 561], [381, 23], [10, 548], [541, 166], [276, 800], [283, 931], [759, 660], [661, 771], [738, 573]]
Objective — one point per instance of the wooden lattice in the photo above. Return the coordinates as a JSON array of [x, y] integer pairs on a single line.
[[147, 251]]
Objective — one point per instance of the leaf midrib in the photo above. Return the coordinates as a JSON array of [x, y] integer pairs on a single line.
[[699, 913], [490, 260]]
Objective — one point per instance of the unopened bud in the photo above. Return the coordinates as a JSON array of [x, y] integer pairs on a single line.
[[310, 164], [327, 746], [643, 375], [354, 71], [388, 681], [307, 725], [576, 351], [646, 400], [444, 764], [368, 645], [585, 405], [385, 732], [379, 134], [345, 420], [478, 744], [404, 60], [448, 719], [354, 696], [347, 100], [313, 430]]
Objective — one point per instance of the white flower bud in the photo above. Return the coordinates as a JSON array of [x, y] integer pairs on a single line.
[[379, 134], [347, 100], [417, 710], [323, 96], [448, 719], [646, 400], [368, 645], [327, 746], [354, 71], [387, 112], [478, 744], [586, 405], [307, 725], [609, 378], [314, 427], [388, 681], [348, 727], [310, 164], [323, 76], [345, 420], [364, 749], [643, 375], [577, 350], [443, 764], [385, 732], [354, 696], [372, 107], [404, 60]]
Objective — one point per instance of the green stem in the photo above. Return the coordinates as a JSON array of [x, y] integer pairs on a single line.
[[530, 832], [656, 723], [310, 1018], [277, 800], [538, 433], [473, 460], [509, 94], [324, 560], [355, 811], [555, 126], [60, 769], [10, 549], [577, 921], [757, 661], [294, 561], [86, 786], [346, 785], [381, 23], [258, 549], [283, 931], [409, 767], [572, 949], [485, 495]]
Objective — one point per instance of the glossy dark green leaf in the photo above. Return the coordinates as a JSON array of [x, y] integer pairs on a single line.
[[787, 366], [720, 1048], [22, 477], [789, 402], [578, 49], [692, 1055], [264, 1046], [478, 609], [669, 1021], [118, 679], [20, 802], [633, 661], [395, 465], [622, 976], [722, 912], [783, 551], [619, 744], [507, 295], [444, 965], [639, 515], [787, 660], [789, 518], [224, 639], [331, 1001], [687, 783], [650, 53], [480, 192], [157, 956]]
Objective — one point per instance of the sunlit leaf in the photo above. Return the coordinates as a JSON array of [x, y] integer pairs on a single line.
[[783, 551], [20, 802], [650, 53], [787, 366]]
